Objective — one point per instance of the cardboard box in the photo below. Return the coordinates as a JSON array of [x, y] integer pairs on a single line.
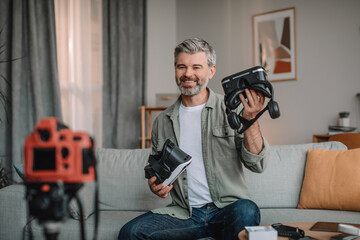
[[261, 233]]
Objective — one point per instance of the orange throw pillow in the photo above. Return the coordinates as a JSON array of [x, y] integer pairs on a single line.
[[332, 180]]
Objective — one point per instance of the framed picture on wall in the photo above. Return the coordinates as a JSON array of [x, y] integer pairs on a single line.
[[274, 43]]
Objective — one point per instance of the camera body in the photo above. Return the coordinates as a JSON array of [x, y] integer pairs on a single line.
[[55, 153]]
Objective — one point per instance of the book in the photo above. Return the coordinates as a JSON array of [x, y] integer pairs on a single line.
[[343, 236], [329, 226], [339, 132], [177, 172], [340, 129]]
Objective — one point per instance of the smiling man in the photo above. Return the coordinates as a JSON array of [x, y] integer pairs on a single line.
[[210, 199], [192, 73]]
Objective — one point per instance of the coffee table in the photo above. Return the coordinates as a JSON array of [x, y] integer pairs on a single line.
[[321, 235]]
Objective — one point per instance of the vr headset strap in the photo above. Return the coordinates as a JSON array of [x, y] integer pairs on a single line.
[[263, 90], [246, 123]]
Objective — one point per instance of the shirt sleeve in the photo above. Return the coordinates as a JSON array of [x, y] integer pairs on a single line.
[[255, 162], [154, 137]]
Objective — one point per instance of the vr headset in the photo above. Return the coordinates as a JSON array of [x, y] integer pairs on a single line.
[[254, 78], [163, 164], [288, 231]]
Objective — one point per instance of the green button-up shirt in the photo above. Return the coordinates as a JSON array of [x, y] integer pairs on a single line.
[[224, 156]]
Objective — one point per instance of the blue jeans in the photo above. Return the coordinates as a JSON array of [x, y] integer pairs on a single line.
[[207, 221]]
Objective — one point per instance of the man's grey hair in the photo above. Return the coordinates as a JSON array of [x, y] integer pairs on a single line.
[[194, 45]]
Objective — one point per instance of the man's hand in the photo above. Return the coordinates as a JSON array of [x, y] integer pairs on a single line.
[[254, 103], [159, 189], [252, 106]]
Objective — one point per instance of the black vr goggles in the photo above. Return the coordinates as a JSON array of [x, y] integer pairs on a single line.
[[163, 164], [254, 78]]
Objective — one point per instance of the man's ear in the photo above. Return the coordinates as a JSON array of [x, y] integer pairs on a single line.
[[212, 71]]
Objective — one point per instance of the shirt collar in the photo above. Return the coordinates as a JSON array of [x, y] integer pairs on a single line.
[[174, 109]]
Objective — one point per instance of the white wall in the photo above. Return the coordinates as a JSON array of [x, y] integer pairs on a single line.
[[161, 41], [328, 58]]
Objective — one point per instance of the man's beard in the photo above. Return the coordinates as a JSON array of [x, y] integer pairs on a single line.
[[192, 91]]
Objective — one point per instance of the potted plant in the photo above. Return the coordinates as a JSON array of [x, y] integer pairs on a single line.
[[4, 100], [5, 175]]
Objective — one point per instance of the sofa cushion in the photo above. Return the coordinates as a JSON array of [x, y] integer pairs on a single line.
[[332, 180], [279, 185], [86, 196], [109, 225], [122, 181]]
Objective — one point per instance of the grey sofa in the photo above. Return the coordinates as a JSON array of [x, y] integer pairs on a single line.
[[124, 194]]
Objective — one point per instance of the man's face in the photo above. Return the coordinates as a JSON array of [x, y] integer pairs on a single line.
[[192, 72]]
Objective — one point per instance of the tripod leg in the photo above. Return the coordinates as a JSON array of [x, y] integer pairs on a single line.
[[51, 230]]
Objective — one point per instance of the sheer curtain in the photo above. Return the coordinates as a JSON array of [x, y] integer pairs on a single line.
[[79, 47]]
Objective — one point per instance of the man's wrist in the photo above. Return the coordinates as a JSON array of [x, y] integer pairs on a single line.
[[253, 139]]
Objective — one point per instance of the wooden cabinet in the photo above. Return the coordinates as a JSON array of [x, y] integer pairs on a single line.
[[351, 140], [320, 138], [146, 124]]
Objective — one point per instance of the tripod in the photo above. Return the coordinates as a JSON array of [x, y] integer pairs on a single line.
[[48, 202]]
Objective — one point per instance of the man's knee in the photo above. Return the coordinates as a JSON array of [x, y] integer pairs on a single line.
[[129, 231], [248, 211], [125, 232]]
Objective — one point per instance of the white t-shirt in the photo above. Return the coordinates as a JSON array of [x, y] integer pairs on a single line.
[[190, 142]]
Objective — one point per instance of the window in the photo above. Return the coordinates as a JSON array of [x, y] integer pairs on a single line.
[[79, 49]]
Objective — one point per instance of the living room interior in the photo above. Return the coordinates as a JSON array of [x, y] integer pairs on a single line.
[[326, 83], [327, 57]]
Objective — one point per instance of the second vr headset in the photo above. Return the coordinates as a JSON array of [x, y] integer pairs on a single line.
[[254, 78], [162, 165]]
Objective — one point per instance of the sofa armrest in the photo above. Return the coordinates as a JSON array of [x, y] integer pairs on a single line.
[[13, 211]]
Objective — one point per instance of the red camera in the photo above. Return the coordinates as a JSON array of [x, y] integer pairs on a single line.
[[55, 153]]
